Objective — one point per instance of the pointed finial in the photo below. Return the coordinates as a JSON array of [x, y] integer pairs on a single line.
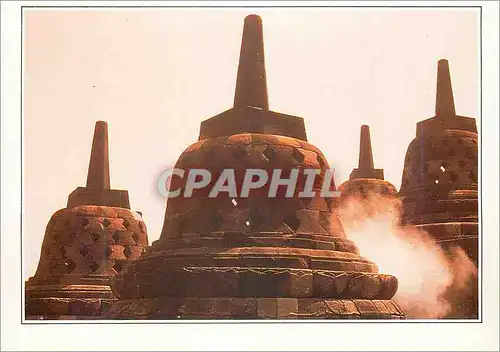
[[445, 105], [98, 174], [251, 86], [365, 149]]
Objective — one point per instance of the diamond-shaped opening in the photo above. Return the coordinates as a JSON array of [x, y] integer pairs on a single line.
[[362, 190], [434, 178], [118, 266], [106, 222], [93, 266], [321, 161], [235, 203], [239, 153], [70, 265], [62, 250], [255, 221], [85, 222], [116, 237], [329, 202], [453, 177], [292, 221], [84, 250], [127, 252], [473, 176], [141, 227], [135, 237], [297, 155], [94, 236], [216, 221], [182, 225], [210, 153], [270, 154], [126, 223]]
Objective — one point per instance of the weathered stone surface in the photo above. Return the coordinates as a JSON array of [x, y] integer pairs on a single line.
[[366, 181], [85, 245], [54, 307], [253, 308], [256, 256], [366, 286], [439, 189], [388, 286]]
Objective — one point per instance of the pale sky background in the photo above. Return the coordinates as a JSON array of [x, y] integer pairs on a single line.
[[155, 74]]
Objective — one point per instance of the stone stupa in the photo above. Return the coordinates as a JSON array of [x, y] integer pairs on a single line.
[[439, 190], [255, 257], [365, 180], [85, 244]]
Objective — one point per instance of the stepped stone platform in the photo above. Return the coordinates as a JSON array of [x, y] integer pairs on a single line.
[[439, 190], [86, 244], [253, 257]]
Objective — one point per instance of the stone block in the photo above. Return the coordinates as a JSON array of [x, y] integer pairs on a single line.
[[287, 308], [84, 307], [388, 286], [364, 286], [384, 313], [267, 308], [243, 308], [324, 284]]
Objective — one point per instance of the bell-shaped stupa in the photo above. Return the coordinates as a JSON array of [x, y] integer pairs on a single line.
[[439, 190], [365, 180], [257, 256], [85, 244]]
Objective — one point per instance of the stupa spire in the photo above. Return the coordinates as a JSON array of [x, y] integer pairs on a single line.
[[445, 105], [365, 149], [366, 168], [98, 174], [251, 85]]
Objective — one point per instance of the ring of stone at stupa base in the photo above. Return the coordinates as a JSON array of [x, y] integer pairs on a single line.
[[224, 281], [254, 308]]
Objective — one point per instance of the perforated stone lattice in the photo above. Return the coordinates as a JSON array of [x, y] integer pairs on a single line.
[[449, 161], [91, 240]]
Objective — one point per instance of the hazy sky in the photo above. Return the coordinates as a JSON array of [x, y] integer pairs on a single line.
[[155, 74]]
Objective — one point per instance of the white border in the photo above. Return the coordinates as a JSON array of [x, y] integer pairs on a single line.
[[299, 336]]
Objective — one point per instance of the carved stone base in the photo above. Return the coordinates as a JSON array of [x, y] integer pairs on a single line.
[[46, 301], [52, 308], [253, 308]]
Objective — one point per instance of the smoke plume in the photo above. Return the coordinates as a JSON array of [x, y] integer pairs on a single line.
[[430, 281]]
